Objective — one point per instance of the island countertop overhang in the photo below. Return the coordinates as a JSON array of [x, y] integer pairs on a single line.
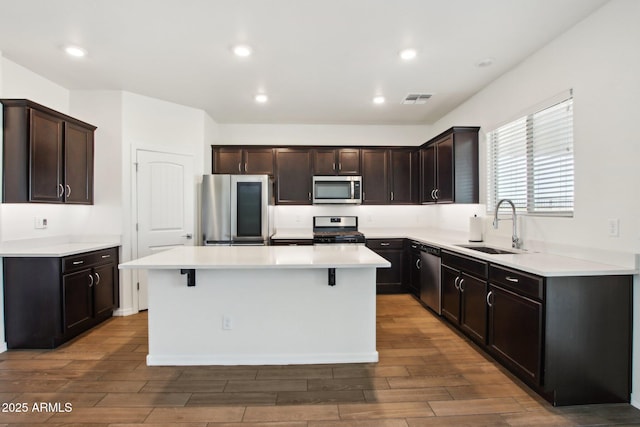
[[261, 257]]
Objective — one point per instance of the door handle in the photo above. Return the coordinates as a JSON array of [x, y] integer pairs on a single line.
[[187, 236]]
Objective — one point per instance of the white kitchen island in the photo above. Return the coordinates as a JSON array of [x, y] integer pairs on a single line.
[[260, 305]]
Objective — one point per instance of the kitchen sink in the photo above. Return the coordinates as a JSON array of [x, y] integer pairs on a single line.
[[488, 249]]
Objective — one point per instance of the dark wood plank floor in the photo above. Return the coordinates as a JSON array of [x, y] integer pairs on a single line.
[[427, 376]]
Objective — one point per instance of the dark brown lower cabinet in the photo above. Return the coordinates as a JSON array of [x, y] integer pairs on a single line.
[[389, 280], [515, 331], [569, 338], [464, 293], [49, 300]]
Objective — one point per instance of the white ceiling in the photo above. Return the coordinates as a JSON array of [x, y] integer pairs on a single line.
[[319, 61]]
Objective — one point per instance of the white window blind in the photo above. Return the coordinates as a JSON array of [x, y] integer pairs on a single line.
[[531, 162]]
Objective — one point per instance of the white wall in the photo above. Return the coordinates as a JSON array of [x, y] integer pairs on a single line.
[[599, 58], [274, 134]]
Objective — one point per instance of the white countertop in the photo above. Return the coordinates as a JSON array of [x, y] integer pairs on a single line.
[[258, 257], [542, 264], [50, 249]]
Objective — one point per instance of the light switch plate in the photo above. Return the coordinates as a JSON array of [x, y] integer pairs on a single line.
[[613, 225]]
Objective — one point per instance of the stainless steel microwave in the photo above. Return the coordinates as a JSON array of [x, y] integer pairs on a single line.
[[337, 190]]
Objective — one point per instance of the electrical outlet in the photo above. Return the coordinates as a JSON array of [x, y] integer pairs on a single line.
[[40, 222], [227, 323], [613, 225]]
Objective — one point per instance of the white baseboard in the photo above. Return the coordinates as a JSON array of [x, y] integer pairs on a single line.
[[259, 359], [635, 400], [125, 312]]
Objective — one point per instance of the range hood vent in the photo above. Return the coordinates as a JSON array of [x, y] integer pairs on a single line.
[[416, 98]]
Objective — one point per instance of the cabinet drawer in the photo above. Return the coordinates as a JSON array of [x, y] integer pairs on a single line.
[[385, 243], [468, 265], [89, 259], [291, 242], [522, 283]]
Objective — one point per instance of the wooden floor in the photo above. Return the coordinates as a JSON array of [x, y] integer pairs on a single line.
[[427, 376]]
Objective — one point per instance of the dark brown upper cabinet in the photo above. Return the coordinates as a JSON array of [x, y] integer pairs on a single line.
[[47, 155], [336, 161], [293, 176], [449, 167], [389, 176], [251, 161]]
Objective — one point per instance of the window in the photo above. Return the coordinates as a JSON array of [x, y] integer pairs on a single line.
[[531, 162]]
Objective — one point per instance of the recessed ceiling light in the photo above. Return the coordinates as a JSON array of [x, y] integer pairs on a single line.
[[75, 51], [261, 98], [486, 62], [408, 54], [378, 99], [242, 50]]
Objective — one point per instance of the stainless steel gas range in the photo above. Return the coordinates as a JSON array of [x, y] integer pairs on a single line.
[[336, 229]]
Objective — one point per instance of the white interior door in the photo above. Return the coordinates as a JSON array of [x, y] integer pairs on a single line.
[[165, 206]]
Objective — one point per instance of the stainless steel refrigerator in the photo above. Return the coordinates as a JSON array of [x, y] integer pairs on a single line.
[[236, 209]]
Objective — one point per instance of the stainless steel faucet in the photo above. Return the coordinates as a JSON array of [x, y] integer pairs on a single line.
[[516, 243]]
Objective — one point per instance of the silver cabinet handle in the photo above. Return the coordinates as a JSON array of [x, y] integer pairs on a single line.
[[245, 167], [78, 262], [418, 263], [334, 166], [90, 280], [68, 190], [460, 285], [239, 167], [363, 196], [97, 278], [339, 166], [455, 283], [433, 194], [106, 256], [309, 195], [489, 303], [392, 196], [187, 236], [436, 193], [61, 188], [512, 279], [384, 243]]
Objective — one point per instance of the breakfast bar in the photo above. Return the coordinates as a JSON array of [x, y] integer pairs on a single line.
[[259, 305]]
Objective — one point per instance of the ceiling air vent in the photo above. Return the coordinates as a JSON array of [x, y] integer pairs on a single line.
[[416, 98]]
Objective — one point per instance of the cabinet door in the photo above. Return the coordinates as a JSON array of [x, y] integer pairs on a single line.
[[444, 170], [293, 176], [515, 331], [45, 160], [473, 313], [77, 300], [389, 280], [78, 164], [428, 174], [348, 161], [414, 271], [227, 160], [375, 178], [103, 289], [401, 182], [258, 161], [450, 294], [324, 162]]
